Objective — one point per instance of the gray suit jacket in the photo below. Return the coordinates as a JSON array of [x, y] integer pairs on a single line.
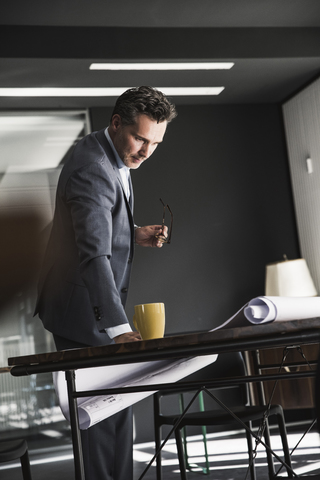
[[85, 278]]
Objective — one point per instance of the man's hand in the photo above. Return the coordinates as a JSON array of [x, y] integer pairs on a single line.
[[128, 337], [146, 236]]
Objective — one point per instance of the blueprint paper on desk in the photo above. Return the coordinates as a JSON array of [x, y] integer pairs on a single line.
[[259, 310], [92, 410]]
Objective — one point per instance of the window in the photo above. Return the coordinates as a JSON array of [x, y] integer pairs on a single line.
[[34, 147]]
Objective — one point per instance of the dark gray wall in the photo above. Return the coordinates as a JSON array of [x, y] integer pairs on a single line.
[[224, 173], [223, 170]]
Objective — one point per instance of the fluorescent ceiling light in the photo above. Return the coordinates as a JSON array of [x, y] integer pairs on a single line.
[[102, 92], [190, 91], [163, 66]]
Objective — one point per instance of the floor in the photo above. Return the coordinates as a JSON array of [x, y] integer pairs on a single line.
[[227, 455]]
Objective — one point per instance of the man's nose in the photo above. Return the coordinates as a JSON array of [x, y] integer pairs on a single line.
[[145, 150]]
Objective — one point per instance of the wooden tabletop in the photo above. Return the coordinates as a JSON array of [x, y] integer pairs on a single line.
[[202, 343]]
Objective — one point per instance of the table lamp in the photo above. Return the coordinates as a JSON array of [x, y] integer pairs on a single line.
[[289, 278]]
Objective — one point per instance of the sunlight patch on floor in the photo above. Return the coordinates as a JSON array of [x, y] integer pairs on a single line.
[[226, 453]]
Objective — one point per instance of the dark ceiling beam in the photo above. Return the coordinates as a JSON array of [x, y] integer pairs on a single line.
[[157, 43]]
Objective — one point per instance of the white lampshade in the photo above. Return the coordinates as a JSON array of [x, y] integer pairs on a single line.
[[290, 278]]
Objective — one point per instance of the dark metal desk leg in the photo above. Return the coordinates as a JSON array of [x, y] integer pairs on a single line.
[[256, 368], [75, 430]]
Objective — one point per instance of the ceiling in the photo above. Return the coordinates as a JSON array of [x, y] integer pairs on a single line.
[[275, 46]]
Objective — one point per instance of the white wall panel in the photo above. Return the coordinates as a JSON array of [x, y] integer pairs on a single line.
[[302, 126]]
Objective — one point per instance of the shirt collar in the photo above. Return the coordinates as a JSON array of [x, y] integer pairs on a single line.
[[118, 159]]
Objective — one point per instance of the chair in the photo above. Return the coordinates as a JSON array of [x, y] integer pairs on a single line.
[[14, 449], [227, 365]]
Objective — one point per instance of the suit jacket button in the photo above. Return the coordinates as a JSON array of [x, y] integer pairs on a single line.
[[130, 260], [97, 312], [124, 290]]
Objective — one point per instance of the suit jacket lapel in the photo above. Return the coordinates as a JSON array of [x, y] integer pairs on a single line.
[[109, 152], [131, 194]]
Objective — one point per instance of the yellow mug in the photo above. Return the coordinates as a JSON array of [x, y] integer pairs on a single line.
[[149, 320]]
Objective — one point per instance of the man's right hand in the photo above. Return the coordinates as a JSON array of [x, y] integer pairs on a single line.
[[128, 337]]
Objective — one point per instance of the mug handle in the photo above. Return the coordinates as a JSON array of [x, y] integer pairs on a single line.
[[135, 323]]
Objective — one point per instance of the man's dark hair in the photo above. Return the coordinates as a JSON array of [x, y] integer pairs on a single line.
[[144, 100]]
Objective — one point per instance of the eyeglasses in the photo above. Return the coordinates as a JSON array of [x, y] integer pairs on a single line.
[[162, 237]]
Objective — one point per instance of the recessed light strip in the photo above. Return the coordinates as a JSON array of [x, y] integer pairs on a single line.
[[103, 92], [163, 66]]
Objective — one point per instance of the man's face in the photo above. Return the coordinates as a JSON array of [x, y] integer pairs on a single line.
[[135, 143]]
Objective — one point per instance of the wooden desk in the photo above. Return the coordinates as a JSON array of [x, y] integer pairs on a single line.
[[204, 343], [297, 332]]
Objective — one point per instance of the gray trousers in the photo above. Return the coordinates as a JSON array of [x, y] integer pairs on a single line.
[[107, 446]]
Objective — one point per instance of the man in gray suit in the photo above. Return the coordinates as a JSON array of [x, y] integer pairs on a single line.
[[85, 278]]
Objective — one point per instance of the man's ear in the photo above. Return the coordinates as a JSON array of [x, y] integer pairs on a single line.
[[115, 122]]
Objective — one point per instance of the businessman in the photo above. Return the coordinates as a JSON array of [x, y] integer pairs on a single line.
[[84, 282]]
